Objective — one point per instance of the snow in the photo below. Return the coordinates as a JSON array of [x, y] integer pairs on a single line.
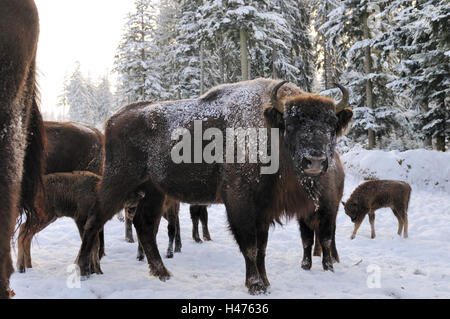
[[417, 267]]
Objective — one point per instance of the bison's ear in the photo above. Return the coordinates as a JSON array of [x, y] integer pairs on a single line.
[[343, 203], [274, 118], [344, 118]]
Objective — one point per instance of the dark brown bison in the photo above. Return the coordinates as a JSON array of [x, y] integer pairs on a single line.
[[71, 195], [70, 147], [140, 148], [376, 194], [22, 138]]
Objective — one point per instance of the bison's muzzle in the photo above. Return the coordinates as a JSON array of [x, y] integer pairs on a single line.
[[314, 166]]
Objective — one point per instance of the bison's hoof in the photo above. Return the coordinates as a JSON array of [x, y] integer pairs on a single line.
[[328, 266], [169, 254], [257, 288], [336, 260], [178, 249], [140, 258], [352, 237], [162, 274], [129, 240], [198, 240], [22, 269], [306, 264], [207, 238]]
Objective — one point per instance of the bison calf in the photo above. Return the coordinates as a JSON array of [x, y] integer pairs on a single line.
[[67, 195], [372, 195]]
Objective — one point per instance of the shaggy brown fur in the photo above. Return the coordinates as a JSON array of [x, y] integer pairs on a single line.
[[138, 154], [21, 134], [375, 194], [71, 195], [74, 147], [70, 147]]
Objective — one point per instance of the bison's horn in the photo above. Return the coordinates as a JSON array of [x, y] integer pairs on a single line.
[[345, 98], [274, 99]]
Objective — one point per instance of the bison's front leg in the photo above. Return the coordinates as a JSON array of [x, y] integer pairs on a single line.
[[307, 235], [195, 216], [146, 221], [204, 221], [128, 229], [242, 222], [262, 236], [326, 238]]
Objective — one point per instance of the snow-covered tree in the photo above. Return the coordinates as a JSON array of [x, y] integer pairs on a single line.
[[137, 56]]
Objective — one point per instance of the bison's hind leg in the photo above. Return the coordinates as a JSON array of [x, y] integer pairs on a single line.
[[317, 248], [146, 221]]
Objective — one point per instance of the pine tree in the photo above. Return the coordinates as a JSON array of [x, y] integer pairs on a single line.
[[353, 29], [77, 96], [137, 59]]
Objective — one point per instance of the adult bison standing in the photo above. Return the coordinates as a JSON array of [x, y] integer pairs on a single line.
[[139, 146], [21, 132]]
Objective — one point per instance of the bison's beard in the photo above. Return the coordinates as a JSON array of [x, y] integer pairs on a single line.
[[311, 187]]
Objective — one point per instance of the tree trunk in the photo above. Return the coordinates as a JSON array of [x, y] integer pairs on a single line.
[[202, 71], [274, 59], [368, 70], [327, 68], [244, 55], [440, 143]]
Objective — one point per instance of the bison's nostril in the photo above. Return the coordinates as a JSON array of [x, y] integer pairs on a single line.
[[314, 165]]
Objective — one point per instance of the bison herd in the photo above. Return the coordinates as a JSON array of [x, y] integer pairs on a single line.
[[50, 170]]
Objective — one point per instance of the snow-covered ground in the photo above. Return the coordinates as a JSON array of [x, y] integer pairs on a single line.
[[385, 267]]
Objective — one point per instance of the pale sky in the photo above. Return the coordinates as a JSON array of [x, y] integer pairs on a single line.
[[87, 31]]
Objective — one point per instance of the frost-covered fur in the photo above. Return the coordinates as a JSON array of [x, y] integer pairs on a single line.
[[21, 134], [138, 154]]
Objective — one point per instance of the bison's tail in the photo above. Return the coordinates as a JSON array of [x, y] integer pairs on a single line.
[[33, 189]]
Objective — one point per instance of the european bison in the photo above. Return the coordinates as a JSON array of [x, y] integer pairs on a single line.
[[71, 195], [141, 142], [70, 147], [22, 138], [376, 194]]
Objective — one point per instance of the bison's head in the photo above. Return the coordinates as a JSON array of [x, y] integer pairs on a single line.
[[355, 211], [309, 126]]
